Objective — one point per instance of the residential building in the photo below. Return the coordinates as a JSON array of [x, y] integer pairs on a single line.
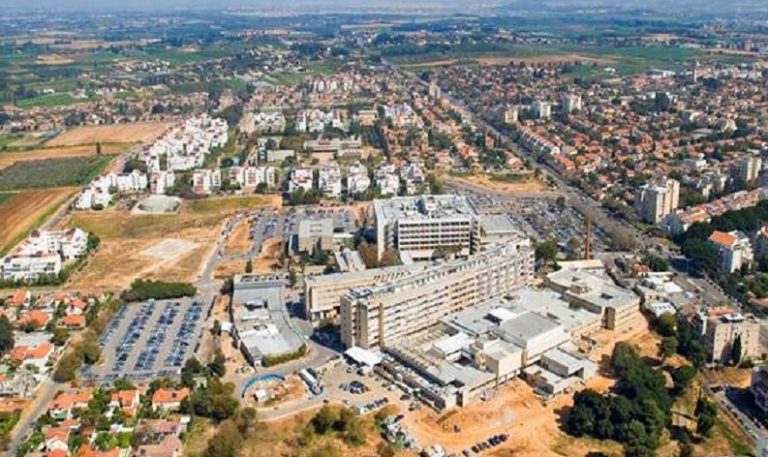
[[718, 329], [571, 103], [162, 180], [759, 387], [380, 315], [656, 199], [733, 249], [169, 400], [357, 179], [329, 180], [206, 182], [746, 170], [541, 109], [301, 178]]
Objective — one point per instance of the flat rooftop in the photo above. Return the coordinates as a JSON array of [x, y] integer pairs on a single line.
[[424, 207]]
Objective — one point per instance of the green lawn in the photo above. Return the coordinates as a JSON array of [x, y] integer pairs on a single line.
[[293, 78], [49, 100], [4, 196]]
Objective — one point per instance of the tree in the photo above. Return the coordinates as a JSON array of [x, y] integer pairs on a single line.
[[89, 351], [668, 347], [682, 377], [666, 325], [736, 350], [6, 335], [546, 251], [218, 364], [67, 368], [324, 420], [706, 415]]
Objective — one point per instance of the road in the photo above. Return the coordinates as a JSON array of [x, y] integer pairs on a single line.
[[43, 397]]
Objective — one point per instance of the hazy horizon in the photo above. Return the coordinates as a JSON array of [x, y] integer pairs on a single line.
[[362, 5]]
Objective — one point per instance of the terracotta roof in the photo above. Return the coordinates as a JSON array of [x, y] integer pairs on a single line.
[[169, 395], [722, 238], [88, 451], [66, 399], [37, 317], [56, 453], [60, 433], [125, 397], [73, 320]]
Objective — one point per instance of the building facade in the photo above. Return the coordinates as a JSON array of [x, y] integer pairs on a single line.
[[376, 316]]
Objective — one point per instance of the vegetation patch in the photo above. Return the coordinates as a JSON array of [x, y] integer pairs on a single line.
[[64, 172]]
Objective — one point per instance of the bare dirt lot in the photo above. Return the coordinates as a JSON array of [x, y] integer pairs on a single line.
[[9, 158], [239, 240], [140, 132], [524, 186], [121, 257], [23, 210]]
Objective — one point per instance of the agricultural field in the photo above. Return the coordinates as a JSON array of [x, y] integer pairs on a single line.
[[23, 211], [57, 172], [8, 159], [626, 60], [140, 132], [129, 241]]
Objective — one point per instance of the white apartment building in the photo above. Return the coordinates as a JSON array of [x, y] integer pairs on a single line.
[[657, 198], [92, 197], [541, 109], [315, 121], [161, 181], [381, 315], [29, 267], [301, 178], [44, 252], [571, 103], [250, 177], [733, 249], [387, 179], [357, 179], [329, 180], [403, 115], [205, 182], [413, 177]]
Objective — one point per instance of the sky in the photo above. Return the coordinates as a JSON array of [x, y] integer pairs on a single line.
[[362, 5], [271, 4]]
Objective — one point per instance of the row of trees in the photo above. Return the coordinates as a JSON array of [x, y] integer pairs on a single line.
[[145, 289]]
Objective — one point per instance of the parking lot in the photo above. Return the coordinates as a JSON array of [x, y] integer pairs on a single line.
[[543, 218], [149, 340], [266, 225]]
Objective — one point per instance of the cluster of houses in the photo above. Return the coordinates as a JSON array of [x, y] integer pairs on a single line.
[[185, 146], [43, 254], [153, 437], [30, 360]]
